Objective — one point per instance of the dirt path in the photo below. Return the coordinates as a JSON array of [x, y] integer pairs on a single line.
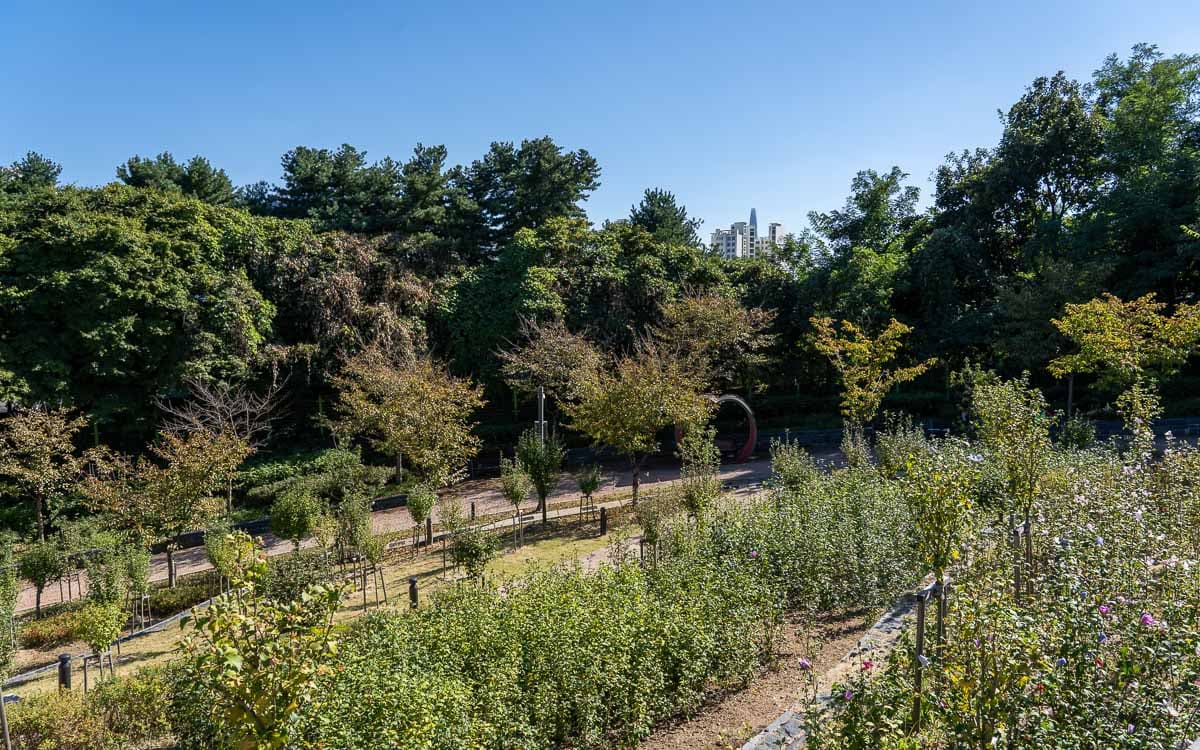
[[734, 718]]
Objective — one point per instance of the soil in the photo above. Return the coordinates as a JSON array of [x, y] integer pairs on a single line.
[[733, 718]]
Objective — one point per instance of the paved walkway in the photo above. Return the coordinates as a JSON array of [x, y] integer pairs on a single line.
[[485, 493]]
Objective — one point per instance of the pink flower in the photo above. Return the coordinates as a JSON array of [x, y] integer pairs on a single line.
[[1104, 609], [868, 665], [805, 664], [1147, 619]]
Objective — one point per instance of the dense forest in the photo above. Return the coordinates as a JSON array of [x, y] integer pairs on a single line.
[[113, 297]]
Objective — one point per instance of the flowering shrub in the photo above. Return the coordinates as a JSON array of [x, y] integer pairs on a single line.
[[1105, 651]]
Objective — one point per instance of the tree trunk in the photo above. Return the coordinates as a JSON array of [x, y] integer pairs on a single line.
[[399, 468], [37, 602], [41, 517], [545, 505], [171, 565], [1070, 393], [636, 463]]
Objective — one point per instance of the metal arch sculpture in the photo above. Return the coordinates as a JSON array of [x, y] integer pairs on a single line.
[[743, 454]]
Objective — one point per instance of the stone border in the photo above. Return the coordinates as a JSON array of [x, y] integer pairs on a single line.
[[787, 732]]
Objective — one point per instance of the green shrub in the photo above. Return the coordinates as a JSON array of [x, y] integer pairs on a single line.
[[288, 576], [51, 631], [57, 721], [165, 602], [133, 706]]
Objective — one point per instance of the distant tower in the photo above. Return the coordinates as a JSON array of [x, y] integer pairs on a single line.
[[754, 220]]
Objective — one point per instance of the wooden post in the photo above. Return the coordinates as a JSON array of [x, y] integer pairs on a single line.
[[917, 677], [64, 671], [412, 592], [429, 530], [472, 511], [603, 520]]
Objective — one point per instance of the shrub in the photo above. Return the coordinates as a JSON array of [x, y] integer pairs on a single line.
[[289, 576], [42, 563], [296, 514], [57, 721], [51, 631], [133, 706], [165, 602], [100, 625], [899, 441]]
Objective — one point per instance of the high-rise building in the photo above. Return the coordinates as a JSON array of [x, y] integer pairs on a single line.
[[742, 240]]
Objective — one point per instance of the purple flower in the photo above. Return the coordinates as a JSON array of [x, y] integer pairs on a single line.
[[1102, 637], [1062, 662], [1104, 609], [848, 695], [923, 659], [805, 664], [1147, 619], [753, 554]]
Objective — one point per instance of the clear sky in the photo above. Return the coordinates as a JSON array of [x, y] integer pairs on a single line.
[[729, 105]]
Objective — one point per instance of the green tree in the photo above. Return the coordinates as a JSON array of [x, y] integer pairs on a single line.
[[542, 461], [198, 178], [700, 479], [514, 486], [661, 216], [297, 514], [627, 405], [410, 408], [29, 173], [39, 457], [864, 365], [421, 500], [41, 563]]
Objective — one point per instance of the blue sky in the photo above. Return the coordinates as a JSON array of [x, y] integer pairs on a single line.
[[771, 104]]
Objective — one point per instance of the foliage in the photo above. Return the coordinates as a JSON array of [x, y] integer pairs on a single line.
[[862, 363], [472, 548], [41, 563], [514, 483], [132, 706], [165, 602], [938, 486], [50, 631], [413, 408], [716, 336], [37, 452], [642, 395], [231, 553], [257, 661], [667, 221], [1077, 432], [1123, 341], [900, 441], [62, 720], [296, 514], [542, 462], [588, 479], [551, 357], [100, 624], [699, 476], [1013, 424], [421, 500], [289, 577]]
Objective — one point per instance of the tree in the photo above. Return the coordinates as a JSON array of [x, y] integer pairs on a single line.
[[1013, 423], [410, 408], [862, 363], [626, 406], [39, 457], [41, 563], [879, 210], [157, 498], [513, 188], [29, 173], [666, 220], [542, 460], [514, 485], [297, 514], [714, 335], [550, 357], [421, 500], [195, 179]]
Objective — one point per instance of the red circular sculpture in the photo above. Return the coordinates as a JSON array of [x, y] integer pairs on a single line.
[[743, 453]]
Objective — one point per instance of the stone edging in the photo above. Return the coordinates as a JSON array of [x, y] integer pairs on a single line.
[[787, 732]]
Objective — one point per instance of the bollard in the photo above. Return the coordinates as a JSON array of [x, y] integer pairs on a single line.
[[429, 531], [603, 521], [412, 592], [64, 671], [472, 512]]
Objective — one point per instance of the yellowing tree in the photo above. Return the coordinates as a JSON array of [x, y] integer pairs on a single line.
[[626, 406], [864, 363], [37, 452], [410, 408], [174, 491], [1127, 344], [1124, 341]]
